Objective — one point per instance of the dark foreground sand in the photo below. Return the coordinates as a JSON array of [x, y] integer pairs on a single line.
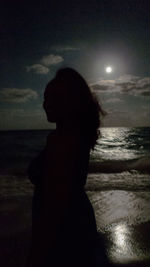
[[127, 244]]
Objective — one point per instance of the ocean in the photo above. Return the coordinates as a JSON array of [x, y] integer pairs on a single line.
[[118, 186], [117, 150]]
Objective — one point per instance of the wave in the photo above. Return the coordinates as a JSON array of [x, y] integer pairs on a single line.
[[142, 165], [126, 181], [117, 166]]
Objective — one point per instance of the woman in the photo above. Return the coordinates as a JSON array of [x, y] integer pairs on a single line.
[[64, 227]]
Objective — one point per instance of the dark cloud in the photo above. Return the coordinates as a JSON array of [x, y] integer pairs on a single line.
[[51, 59], [15, 95], [65, 48], [146, 93], [37, 68], [144, 83], [98, 87]]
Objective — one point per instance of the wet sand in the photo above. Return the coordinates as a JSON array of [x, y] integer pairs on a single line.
[[122, 218]]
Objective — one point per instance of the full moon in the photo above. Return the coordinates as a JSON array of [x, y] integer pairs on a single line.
[[108, 69]]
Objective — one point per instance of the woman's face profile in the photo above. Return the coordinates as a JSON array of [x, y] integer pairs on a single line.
[[49, 103], [55, 101]]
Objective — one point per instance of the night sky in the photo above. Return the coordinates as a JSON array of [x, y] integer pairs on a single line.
[[36, 39]]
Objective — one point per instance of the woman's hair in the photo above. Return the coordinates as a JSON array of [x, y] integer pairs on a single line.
[[83, 105]]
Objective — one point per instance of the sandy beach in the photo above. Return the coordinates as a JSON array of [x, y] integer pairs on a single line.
[[122, 220]]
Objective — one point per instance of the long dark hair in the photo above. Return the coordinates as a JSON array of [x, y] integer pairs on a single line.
[[84, 107]]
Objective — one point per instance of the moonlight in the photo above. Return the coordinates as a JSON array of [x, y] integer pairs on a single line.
[[108, 69]]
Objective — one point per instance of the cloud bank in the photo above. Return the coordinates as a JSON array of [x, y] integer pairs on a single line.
[[132, 85], [15, 95], [45, 62], [126, 100]]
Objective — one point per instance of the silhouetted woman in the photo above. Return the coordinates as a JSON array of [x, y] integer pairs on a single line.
[[64, 228]]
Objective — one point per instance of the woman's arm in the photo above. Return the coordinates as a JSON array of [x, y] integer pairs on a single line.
[[35, 168]]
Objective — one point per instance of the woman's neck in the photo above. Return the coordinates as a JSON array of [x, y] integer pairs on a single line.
[[67, 126]]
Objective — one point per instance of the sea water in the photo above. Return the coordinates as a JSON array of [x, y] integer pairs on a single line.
[[118, 184], [118, 149]]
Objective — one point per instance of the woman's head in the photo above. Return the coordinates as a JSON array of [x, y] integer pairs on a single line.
[[68, 99]]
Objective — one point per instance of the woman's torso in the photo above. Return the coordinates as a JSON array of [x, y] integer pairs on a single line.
[[79, 220]]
